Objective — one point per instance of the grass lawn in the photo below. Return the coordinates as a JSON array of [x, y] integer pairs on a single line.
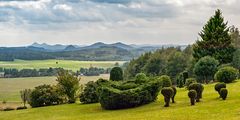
[[10, 87], [66, 64], [210, 108]]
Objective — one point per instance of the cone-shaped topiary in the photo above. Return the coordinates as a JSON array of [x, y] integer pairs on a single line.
[[167, 92], [116, 74], [199, 89], [223, 93], [192, 94], [219, 86], [174, 93]]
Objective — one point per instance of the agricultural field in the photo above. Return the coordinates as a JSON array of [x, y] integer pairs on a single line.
[[10, 87], [210, 108], [66, 64]]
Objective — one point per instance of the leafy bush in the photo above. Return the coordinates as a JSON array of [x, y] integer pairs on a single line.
[[199, 89], [223, 93], [116, 74], [174, 93], [89, 94], [69, 85], [192, 94], [189, 81], [166, 81], [180, 80], [226, 74], [25, 96], [219, 86], [111, 97], [168, 93], [21, 107], [205, 69], [141, 78], [45, 95]]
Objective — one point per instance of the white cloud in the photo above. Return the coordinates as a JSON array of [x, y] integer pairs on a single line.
[[62, 7]]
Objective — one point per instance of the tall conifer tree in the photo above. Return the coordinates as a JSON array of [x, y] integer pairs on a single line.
[[215, 40]]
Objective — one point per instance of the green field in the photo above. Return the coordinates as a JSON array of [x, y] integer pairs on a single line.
[[66, 64], [10, 87], [210, 108]]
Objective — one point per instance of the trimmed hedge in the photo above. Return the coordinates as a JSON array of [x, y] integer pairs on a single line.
[[166, 81], [111, 97], [141, 78], [174, 93], [189, 81], [89, 94], [192, 94], [116, 74], [223, 93], [226, 74], [219, 86]]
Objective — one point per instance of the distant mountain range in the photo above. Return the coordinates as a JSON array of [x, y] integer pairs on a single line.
[[96, 51]]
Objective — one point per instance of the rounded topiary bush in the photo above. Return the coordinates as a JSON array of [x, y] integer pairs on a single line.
[[219, 86], [223, 93], [192, 94], [166, 81], [199, 89], [141, 78], [189, 81], [89, 94], [174, 93], [111, 95], [226, 74], [116, 74], [168, 93]]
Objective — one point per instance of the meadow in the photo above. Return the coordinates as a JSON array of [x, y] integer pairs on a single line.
[[66, 64], [10, 87], [210, 108]]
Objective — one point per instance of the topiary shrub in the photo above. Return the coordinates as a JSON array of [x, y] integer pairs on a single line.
[[189, 81], [111, 97], [192, 94], [219, 86], [226, 74], [140, 78], [223, 93], [166, 81], [174, 93], [199, 89], [167, 92], [45, 95], [89, 94], [116, 74]]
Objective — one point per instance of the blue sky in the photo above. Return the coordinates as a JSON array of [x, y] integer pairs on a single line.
[[23, 22]]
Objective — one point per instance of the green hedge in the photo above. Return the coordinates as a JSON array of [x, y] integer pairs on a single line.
[[113, 96]]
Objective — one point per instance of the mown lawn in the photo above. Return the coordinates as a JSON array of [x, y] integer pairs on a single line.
[[210, 108], [66, 64]]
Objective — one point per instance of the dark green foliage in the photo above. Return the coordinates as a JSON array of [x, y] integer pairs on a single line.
[[192, 94], [219, 86], [112, 97], [93, 71], [25, 96], [227, 74], [21, 107], [89, 94], [174, 93], [69, 85], [166, 81], [205, 69], [181, 79], [236, 59], [116, 74], [141, 78], [235, 37], [215, 40], [45, 95], [189, 81], [168, 93], [185, 76], [223, 93], [199, 89]]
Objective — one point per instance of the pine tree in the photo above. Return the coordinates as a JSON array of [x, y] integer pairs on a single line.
[[215, 40]]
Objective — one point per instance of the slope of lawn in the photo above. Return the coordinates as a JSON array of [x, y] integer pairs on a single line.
[[66, 64], [210, 108]]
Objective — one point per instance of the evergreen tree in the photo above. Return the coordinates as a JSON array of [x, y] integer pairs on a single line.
[[215, 40], [235, 36]]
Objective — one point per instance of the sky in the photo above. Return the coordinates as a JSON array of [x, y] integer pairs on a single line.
[[83, 22]]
